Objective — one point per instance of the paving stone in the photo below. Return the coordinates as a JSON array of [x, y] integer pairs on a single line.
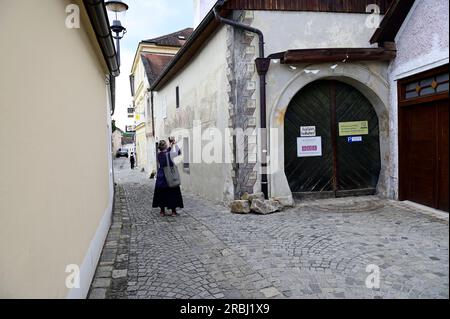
[[270, 292], [98, 293], [318, 249], [103, 273], [101, 283]]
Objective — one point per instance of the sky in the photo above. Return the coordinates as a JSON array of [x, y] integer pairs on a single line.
[[145, 19]]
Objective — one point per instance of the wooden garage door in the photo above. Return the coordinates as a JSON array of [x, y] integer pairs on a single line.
[[349, 164], [424, 140]]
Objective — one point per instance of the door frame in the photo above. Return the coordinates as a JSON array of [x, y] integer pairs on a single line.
[[403, 104], [333, 126], [377, 91]]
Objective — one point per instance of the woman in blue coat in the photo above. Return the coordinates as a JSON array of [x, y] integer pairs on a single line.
[[165, 196]]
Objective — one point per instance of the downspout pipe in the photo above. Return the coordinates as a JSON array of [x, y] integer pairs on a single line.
[[98, 17], [112, 88], [262, 66]]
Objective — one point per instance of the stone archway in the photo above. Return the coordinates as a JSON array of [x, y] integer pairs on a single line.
[[372, 85]]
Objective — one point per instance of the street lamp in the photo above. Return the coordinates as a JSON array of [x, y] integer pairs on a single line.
[[117, 28]]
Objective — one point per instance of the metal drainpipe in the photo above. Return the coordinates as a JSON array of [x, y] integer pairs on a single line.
[[262, 66]]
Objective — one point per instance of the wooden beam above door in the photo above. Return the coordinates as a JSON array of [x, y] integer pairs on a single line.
[[336, 55]]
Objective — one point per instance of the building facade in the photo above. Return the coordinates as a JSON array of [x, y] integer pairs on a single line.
[[228, 96], [323, 92], [117, 136], [151, 57], [55, 198], [419, 81]]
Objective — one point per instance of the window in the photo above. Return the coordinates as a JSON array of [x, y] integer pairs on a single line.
[[186, 155], [132, 85], [148, 110], [425, 85], [177, 92], [163, 111]]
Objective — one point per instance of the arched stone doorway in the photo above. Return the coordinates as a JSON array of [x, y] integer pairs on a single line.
[[367, 79], [331, 141]]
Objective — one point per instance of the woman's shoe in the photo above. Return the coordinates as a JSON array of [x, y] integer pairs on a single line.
[[162, 214]]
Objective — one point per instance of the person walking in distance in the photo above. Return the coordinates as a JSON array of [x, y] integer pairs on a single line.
[[132, 160], [164, 195]]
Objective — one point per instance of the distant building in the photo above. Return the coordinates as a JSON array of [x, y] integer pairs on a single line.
[[129, 142], [151, 58], [117, 136]]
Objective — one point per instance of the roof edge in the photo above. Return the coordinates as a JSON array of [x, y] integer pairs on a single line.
[[98, 17], [165, 76], [392, 21], [154, 40]]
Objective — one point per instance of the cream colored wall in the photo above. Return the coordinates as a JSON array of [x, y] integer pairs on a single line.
[[144, 142], [52, 195], [141, 147], [140, 100], [140, 118], [203, 97], [140, 90]]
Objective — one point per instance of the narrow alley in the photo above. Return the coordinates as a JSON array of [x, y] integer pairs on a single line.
[[320, 249]]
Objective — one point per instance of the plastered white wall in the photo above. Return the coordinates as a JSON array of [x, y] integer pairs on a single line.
[[203, 97], [422, 44]]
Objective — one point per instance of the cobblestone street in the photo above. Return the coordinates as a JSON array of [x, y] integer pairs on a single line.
[[319, 249]]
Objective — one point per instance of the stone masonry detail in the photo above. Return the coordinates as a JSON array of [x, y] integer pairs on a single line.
[[242, 79]]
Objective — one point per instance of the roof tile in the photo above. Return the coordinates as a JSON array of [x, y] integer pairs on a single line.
[[154, 64], [176, 39]]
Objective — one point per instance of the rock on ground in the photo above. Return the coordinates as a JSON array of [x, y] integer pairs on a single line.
[[259, 196], [240, 207], [265, 207]]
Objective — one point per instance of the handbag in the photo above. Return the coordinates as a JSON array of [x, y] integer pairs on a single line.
[[171, 174]]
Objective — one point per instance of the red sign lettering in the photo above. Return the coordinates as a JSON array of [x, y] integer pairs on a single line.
[[309, 148]]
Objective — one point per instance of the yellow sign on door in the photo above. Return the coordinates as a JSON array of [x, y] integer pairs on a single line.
[[353, 128]]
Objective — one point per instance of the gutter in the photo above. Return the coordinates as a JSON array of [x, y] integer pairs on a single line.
[[98, 17], [262, 66]]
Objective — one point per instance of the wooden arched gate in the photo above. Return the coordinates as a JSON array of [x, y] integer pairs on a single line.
[[331, 142]]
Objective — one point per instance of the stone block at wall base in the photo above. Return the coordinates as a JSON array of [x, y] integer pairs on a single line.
[[265, 207], [240, 207], [256, 196]]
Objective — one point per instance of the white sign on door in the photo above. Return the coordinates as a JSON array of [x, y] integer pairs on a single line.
[[309, 146], [307, 131]]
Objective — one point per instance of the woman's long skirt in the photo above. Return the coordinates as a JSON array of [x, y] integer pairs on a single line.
[[168, 197]]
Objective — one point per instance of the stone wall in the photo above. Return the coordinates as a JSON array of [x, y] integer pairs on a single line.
[[242, 82]]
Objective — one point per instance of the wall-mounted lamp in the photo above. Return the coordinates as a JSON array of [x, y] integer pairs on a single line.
[[118, 7]]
